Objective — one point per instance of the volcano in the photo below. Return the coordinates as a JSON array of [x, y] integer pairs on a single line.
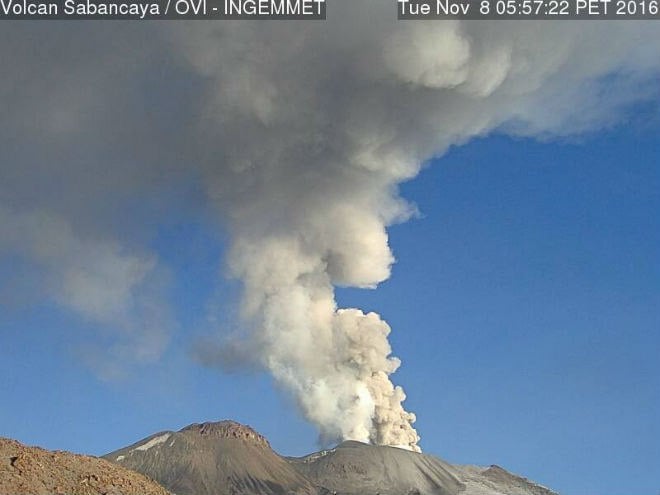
[[354, 468], [214, 459], [227, 458]]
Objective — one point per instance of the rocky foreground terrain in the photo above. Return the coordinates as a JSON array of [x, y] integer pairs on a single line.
[[227, 458], [35, 471]]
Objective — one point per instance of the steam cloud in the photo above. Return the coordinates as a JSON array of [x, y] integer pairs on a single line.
[[301, 134]]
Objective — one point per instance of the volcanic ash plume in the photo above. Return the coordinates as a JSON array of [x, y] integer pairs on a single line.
[[336, 362], [300, 134], [317, 127]]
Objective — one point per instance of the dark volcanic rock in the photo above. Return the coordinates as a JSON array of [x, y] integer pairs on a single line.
[[224, 458], [228, 458], [227, 430], [355, 468]]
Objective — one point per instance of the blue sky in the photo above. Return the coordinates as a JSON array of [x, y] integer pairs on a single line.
[[524, 305]]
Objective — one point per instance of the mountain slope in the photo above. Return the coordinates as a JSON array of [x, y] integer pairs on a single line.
[[494, 480], [229, 458], [354, 468], [357, 468], [214, 459], [36, 471]]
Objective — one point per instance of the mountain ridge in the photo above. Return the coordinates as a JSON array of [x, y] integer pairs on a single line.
[[213, 458], [227, 458]]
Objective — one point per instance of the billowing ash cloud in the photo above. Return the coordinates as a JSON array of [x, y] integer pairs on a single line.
[[301, 134]]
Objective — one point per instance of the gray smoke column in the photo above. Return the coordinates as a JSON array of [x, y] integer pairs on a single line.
[[300, 134], [319, 124]]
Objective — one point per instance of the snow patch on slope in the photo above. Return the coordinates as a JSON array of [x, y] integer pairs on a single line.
[[153, 442]]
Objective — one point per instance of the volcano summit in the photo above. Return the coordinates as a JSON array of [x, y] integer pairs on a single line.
[[227, 458]]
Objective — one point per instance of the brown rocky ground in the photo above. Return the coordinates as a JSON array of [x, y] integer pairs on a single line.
[[36, 471]]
